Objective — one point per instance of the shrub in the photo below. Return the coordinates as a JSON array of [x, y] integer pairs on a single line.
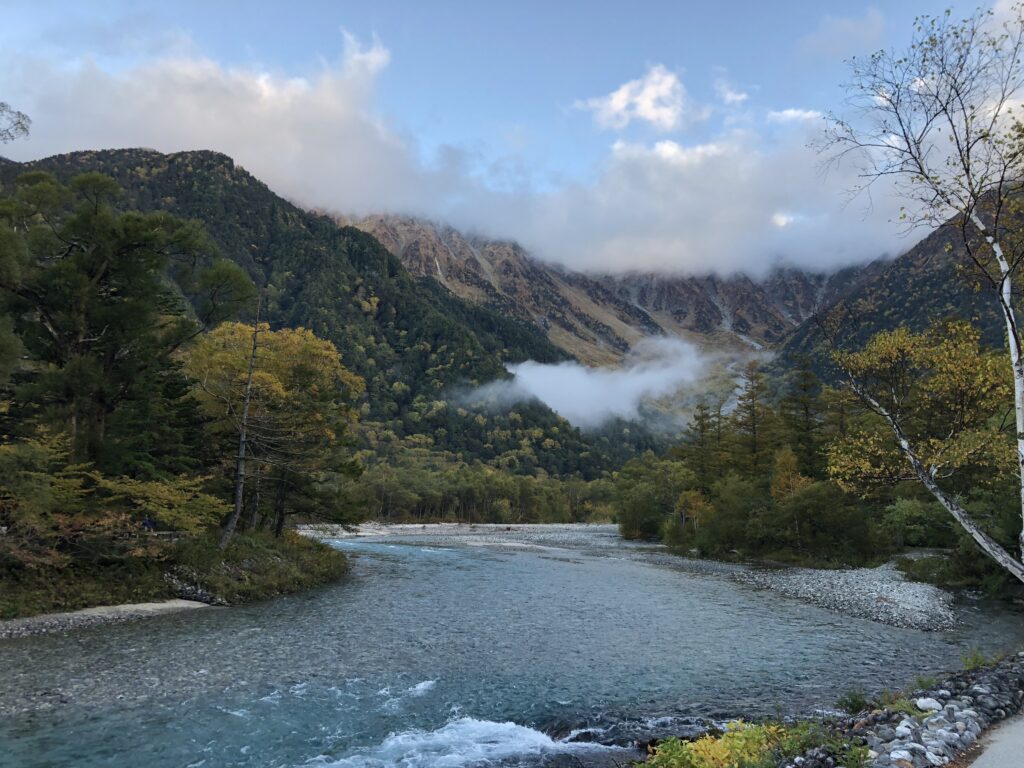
[[853, 701], [741, 746]]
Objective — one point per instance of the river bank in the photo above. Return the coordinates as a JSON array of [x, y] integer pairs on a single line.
[[934, 726], [254, 567], [49, 623]]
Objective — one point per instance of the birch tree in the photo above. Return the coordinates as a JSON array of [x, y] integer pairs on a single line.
[[940, 121]]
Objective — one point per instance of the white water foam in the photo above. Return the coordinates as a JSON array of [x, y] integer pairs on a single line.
[[421, 688], [463, 742]]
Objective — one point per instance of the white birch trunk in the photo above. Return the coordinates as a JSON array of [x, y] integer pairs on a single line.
[[1013, 340], [927, 478]]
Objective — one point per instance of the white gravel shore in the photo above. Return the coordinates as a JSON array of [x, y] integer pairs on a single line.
[[49, 623]]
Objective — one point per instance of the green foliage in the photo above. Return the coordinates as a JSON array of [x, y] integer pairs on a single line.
[[742, 745], [916, 523], [647, 490], [256, 566], [853, 701], [974, 658], [746, 745], [87, 289], [178, 505]]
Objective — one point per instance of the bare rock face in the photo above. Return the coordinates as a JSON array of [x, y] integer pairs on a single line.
[[595, 317]]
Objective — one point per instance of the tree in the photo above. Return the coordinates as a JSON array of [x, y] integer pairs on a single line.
[[751, 424], [938, 120], [283, 398], [13, 124], [800, 414], [98, 298], [944, 398], [701, 447]]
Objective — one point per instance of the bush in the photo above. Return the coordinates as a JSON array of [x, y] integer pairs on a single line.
[[741, 746], [256, 566], [853, 701]]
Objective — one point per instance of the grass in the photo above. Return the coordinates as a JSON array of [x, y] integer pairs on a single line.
[[975, 658], [258, 566], [937, 570], [81, 585], [254, 567]]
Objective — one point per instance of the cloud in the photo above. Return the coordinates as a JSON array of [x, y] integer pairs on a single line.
[[709, 206], [589, 397], [315, 139], [840, 36], [729, 95], [713, 207], [657, 98], [793, 115]]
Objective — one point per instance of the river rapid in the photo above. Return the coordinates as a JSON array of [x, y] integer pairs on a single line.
[[453, 647]]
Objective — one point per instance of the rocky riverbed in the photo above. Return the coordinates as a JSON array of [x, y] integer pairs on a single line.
[[881, 594]]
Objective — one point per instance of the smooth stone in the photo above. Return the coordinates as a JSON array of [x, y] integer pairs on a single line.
[[928, 704]]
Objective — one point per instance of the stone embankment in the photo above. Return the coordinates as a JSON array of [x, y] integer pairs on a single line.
[[947, 720]]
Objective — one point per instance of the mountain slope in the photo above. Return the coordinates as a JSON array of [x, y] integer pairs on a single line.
[[410, 339], [923, 285], [597, 318]]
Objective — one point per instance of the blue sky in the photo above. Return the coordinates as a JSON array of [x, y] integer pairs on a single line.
[[602, 135]]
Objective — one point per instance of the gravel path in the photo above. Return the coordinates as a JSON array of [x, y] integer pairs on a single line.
[[49, 623]]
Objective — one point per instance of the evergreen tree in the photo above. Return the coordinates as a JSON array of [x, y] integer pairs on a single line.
[[90, 295], [800, 414], [752, 427]]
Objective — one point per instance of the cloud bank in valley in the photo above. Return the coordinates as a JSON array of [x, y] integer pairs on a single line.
[[747, 195], [589, 397]]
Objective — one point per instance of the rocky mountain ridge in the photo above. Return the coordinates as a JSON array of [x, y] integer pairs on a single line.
[[598, 317]]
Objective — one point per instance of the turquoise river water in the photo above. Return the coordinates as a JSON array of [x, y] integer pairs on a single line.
[[552, 647]]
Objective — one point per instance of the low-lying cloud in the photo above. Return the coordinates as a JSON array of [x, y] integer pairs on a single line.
[[589, 397]]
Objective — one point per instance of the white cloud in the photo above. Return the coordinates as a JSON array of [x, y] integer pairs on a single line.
[[657, 98], [729, 95], [840, 36], [699, 207], [315, 139], [793, 115], [589, 397], [741, 202]]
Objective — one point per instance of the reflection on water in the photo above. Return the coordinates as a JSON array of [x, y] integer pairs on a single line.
[[450, 651]]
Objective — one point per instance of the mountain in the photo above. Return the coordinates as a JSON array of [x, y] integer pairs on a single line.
[[925, 284], [411, 339], [598, 317]]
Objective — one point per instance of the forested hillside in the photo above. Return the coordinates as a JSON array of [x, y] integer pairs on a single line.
[[410, 339], [926, 284]]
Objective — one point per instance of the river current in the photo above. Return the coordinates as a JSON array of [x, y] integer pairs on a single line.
[[482, 647]]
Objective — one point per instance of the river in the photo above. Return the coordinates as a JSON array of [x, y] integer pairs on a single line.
[[488, 647]]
